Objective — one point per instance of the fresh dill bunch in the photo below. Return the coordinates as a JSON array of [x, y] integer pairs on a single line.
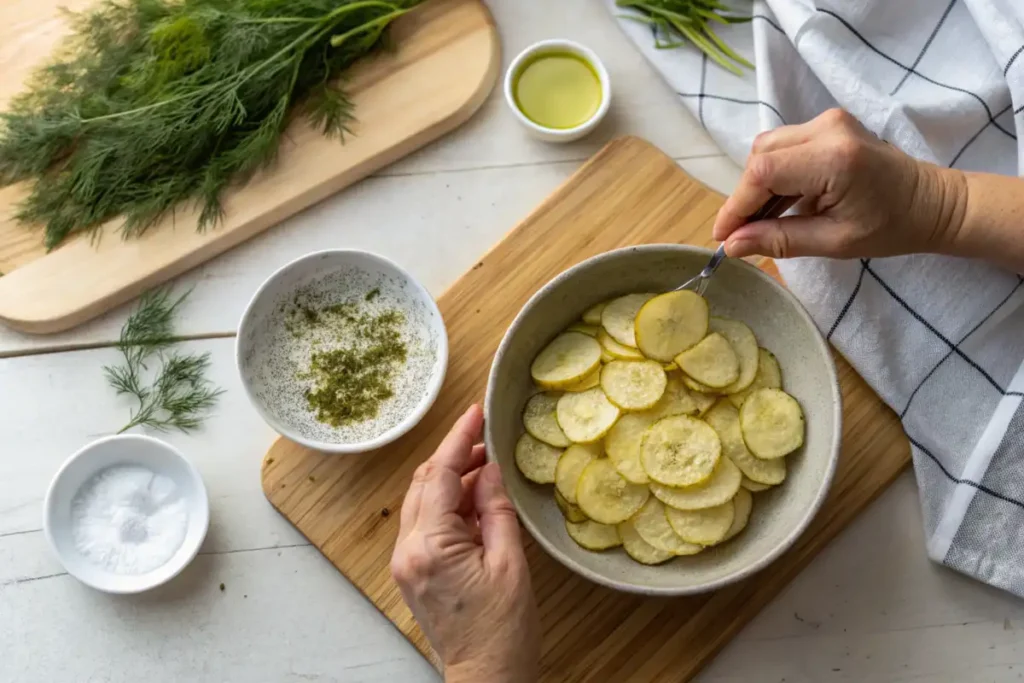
[[180, 395], [154, 102], [680, 22]]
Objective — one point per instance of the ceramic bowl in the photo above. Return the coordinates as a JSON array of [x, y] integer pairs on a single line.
[[558, 134], [738, 291], [271, 357], [130, 450]]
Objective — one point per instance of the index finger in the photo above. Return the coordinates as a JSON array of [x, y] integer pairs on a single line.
[[456, 451], [456, 456]]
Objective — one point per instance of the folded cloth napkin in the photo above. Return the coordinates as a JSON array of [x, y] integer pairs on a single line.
[[940, 339]]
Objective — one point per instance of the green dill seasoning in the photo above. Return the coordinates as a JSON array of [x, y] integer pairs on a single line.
[[352, 378]]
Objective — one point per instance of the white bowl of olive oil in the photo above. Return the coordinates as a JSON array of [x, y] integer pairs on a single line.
[[558, 89]]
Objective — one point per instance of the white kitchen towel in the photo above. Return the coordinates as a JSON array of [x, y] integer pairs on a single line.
[[940, 339]]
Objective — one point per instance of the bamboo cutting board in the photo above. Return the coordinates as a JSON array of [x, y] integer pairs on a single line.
[[445, 62], [629, 193]]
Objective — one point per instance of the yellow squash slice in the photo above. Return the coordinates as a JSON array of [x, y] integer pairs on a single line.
[[633, 384], [617, 350], [604, 496], [704, 527], [569, 357], [712, 362], [652, 525], [721, 487], [742, 505], [571, 512], [583, 328], [536, 459], [677, 399], [539, 420], [725, 420], [589, 382], [618, 317], [586, 416], [753, 486], [593, 535], [772, 423], [639, 549], [680, 451], [592, 316], [623, 445], [670, 323], [744, 344], [570, 466], [695, 386], [768, 376]]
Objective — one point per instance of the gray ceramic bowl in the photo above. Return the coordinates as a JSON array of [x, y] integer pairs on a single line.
[[738, 291]]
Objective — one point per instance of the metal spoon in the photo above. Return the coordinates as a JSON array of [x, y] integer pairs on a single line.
[[773, 208]]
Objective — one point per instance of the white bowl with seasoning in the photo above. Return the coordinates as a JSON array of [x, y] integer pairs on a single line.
[[558, 89], [342, 351], [126, 513]]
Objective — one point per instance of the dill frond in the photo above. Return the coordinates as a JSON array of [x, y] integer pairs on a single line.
[[180, 396], [152, 103]]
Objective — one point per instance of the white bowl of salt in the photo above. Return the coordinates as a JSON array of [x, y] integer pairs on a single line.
[[126, 513]]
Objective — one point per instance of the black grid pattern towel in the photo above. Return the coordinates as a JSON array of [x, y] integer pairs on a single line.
[[941, 340]]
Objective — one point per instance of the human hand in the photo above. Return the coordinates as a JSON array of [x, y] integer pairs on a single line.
[[859, 197], [460, 565]]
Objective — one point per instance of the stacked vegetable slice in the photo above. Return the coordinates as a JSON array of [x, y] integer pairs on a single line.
[[655, 422]]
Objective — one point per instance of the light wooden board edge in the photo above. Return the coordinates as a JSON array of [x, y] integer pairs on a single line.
[[32, 302]]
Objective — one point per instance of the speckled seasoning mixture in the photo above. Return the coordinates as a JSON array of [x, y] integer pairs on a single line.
[[350, 381], [348, 356]]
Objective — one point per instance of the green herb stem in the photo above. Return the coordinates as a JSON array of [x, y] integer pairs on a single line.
[[689, 20]]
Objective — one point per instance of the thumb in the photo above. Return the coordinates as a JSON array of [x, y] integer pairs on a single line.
[[497, 516], [789, 237]]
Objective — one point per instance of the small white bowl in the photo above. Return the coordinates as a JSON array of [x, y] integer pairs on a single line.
[[132, 450], [559, 134], [270, 357]]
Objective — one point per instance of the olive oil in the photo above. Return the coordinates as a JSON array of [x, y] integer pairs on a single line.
[[558, 90]]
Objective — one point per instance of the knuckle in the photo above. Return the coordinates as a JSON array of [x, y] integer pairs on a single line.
[[423, 472], [847, 151], [400, 569], [837, 117], [760, 168], [410, 566], [778, 244], [760, 143]]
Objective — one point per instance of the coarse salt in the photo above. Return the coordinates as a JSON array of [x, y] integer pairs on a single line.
[[128, 519]]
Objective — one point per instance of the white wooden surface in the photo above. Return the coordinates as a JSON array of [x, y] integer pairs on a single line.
[[871, 608]]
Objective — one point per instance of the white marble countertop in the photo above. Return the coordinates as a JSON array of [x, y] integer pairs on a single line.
[[870, 608]]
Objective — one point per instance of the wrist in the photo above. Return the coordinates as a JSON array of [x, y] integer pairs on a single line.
[[940, 207]]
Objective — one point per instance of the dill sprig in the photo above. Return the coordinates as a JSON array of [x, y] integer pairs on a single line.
[[681, 22], [153, 102], [180, 395]]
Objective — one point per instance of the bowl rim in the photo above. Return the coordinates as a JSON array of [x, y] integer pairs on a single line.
[[819, 496], [152, 444], [432, 389], [581, 51]]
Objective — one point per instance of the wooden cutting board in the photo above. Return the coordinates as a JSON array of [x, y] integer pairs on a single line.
[[445, 62], [629, 193]]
